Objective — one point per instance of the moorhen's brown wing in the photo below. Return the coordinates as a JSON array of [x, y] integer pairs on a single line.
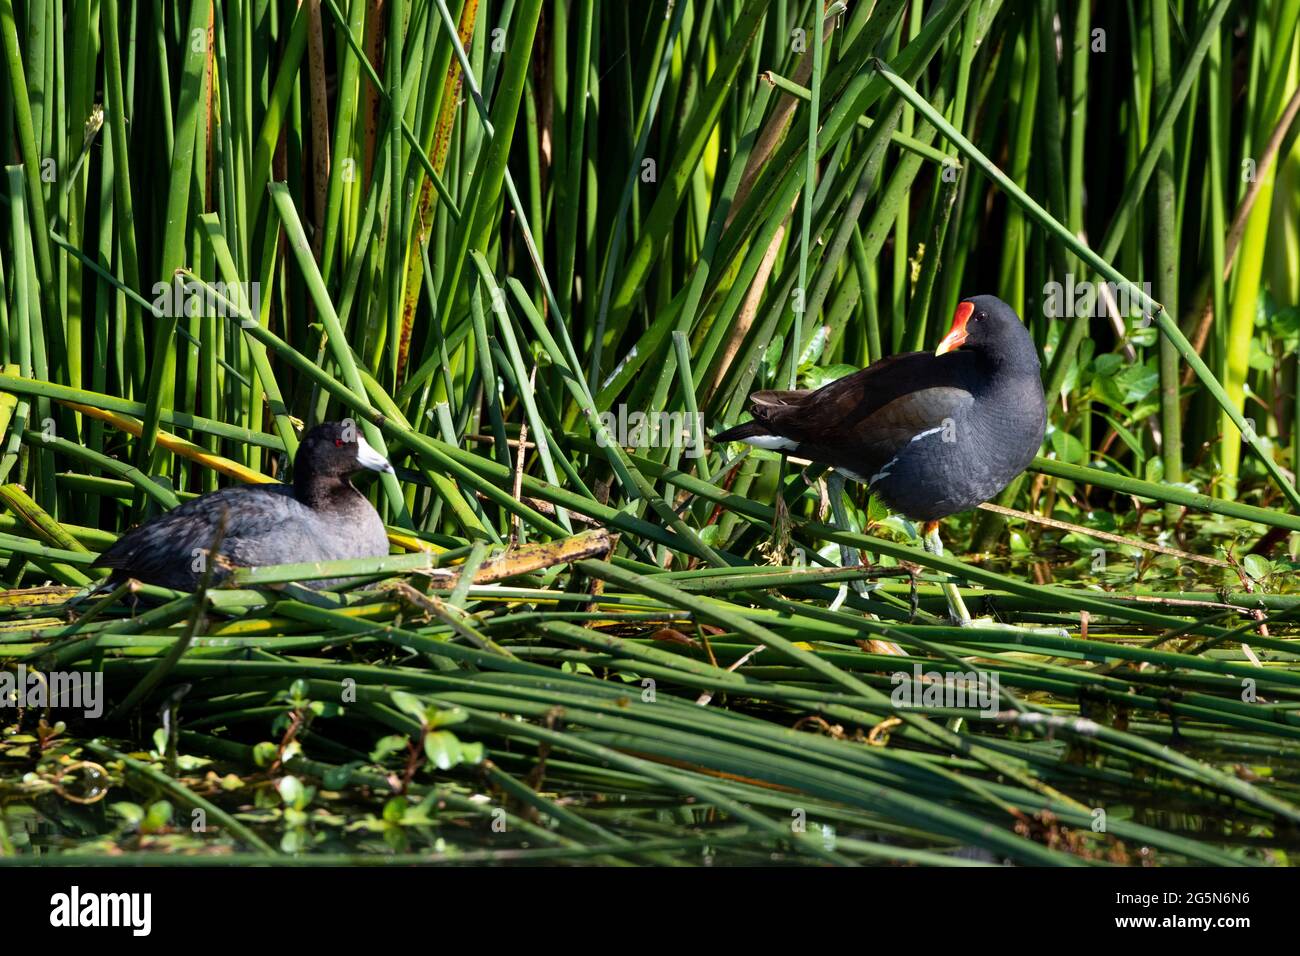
[[859, 423]]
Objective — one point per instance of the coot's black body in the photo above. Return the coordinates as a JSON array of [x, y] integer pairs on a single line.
[[932, 434], [320, 517]]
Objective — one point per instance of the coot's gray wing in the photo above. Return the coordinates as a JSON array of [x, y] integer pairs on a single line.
[[169, 550]]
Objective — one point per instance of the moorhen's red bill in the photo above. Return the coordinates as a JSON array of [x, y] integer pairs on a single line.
[[931, 433]]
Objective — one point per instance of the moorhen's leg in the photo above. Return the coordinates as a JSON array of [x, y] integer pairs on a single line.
[[840, 518], [956, 606], [848, 556]]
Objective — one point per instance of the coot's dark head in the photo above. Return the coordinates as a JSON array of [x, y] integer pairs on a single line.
[[335, 450], [986, 324]]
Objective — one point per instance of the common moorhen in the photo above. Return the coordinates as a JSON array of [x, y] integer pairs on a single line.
[[931, 434]]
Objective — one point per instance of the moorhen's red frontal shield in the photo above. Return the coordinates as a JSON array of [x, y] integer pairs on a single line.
[[957, 334]]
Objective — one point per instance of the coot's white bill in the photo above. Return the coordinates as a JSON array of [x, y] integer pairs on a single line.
[[367, 457]]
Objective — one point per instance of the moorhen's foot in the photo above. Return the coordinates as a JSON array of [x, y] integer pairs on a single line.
[[957, 612], [995, 625], [957, 607]]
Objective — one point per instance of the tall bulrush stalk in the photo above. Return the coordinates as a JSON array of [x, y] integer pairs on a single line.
[[1271, 52]]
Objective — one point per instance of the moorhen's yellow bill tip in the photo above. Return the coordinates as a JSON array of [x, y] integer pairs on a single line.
[[957, 334]]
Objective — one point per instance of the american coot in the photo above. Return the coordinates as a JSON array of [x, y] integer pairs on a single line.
[[931, 433], [321, 517]]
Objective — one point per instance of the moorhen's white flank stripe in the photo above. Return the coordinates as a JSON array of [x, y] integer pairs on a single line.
[[884, 472]]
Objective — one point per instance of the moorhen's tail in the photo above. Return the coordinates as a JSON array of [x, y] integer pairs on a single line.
[[740, 433], [761, 406]]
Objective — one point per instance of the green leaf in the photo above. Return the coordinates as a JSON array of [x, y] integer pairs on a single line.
[[410, 705], [1143, 336], [1260, 359], [1127, 437], [1067, 447], [1138, 381], [1285, 327], [291, 790], [157, 818], [442, 748], [1107, 365], [395, 810], [448, 717], [1154, 469], [264, 753], [772, 358], [1257, 566], [385, 746], [132, 813], [816, 376], [816, 345]]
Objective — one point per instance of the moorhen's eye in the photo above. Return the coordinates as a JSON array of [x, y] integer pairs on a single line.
[[338, 443]]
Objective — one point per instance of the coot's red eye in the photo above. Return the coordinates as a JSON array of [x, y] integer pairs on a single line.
[[338, 443]]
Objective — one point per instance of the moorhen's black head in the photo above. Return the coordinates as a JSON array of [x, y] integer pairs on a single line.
[[987, 325], [330, 453]]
